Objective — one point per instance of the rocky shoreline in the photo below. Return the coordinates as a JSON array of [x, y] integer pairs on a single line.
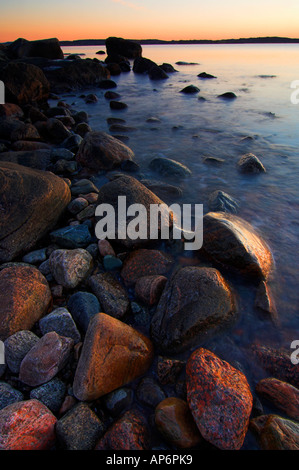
[[109, 343]]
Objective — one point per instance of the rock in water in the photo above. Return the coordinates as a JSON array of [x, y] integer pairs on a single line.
[[27, 425], [36, 199], [168, 167], [278, 363], [220, 201], [113, 355], [123, 47], [195, 301], [249, 163], [276, 433], [100, 151], [232, 241], [130, 432], [24, 83], [219, 398], [24, 298], [48, 48], [283, 395], [135, 193]]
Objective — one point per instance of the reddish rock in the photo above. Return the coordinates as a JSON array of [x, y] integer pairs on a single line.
[[24, 298], [219, 398], [278, 363], [49, 355], [130, 432], [176, 424], [100, 151], [111, 294], [233, 242], [149, 288], [283, 395], [105, 248], [145, 262], [70, 267], [168, 370], [27, 425], [276, 433], [196, 301], [113, 355], [36, 199]]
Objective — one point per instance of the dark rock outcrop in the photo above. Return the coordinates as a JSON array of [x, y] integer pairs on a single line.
[[123, 47]]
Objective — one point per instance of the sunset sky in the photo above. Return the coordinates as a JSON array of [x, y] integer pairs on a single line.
[[147, 19]]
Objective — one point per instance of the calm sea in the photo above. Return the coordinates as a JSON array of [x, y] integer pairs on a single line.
[[192, 128]]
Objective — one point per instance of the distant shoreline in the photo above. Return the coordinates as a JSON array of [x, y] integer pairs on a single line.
[[262, 40]]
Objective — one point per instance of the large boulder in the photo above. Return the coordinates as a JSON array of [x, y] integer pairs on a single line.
[[135, 193], [24, 298], [283, 395], [194, 302], [123, 47], [113, 355], [219, 398], [48, 48], [101, 151], [31, 203], [24, 83], [38, 159], [233, 242], [76, 74]]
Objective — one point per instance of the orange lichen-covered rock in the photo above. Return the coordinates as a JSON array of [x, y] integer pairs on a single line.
[[130, 432], [113, 355], [232, 241], [27, 425], [145, 262], [176, 424], [24, 298], [219, 398], [283, 395]]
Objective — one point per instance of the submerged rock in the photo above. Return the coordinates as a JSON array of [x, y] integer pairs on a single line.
[[205, 75], [250, 163], [203, 296], [168, 167], [219, 398], [190, 90], [220, 201], [100, 369], [231, 241], [228, 96]]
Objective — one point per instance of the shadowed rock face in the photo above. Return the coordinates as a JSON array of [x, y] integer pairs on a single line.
[[231, 241], [24, 298], [100, 369], [195, 301], [276, 433], [48, 48], [100, 151], [31, 202]]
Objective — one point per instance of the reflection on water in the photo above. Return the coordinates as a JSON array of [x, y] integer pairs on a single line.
[[261, 120]]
